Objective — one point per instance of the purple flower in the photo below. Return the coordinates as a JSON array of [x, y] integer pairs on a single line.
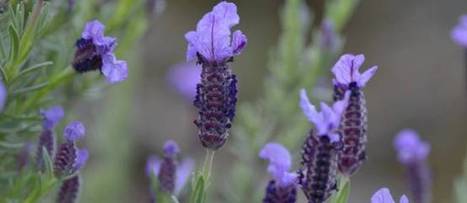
[[327, 121], [82, 156], [51, 116], [74, 130], [94, 51], [412, 153], [383, 195], [459, 33], [410, 148], [346, 70], [185, 77], [171, 174], [282, 189], [69, 190], [3, 95], [211, 40]]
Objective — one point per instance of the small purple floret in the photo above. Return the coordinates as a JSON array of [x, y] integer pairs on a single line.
[[51, 116], [82, 156], [279, 163], [74, 131], [383, 195], [171, 148], [459, 32], [346, 70], [410, 148]]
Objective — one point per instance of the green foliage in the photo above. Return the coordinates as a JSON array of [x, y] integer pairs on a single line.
[[460, 186]]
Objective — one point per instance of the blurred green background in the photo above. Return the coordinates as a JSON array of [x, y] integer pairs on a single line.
[[420, 84]]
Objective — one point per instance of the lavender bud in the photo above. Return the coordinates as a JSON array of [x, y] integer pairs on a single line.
[[217, 92], [168, 167], [353, 127], [47, 141], [68, 192], [412, 153], [278, 194], [69, 159]]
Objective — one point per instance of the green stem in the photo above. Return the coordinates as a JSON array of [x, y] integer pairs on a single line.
[[208, 160]]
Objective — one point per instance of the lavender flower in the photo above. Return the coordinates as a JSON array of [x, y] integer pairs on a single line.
[[383, 195], [69, 159], [50, 118], [171, 174], [216, 94], [318, 172], [282, 188], [412, 153], [94, 51], [185, 77], [354, 123], [68, 192], [459, 33], [3, 95]]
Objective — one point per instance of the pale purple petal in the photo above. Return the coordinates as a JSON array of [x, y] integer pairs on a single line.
[[184, 170], [404, 199], [383, 195], [82, 156], [192, 39], [366, 76], [185, 77], [93, 30], [239, 42], [171, 148], [51, 116], [459, 32], [346, 70], [308, 109], [409, 147], [153, 166], [114, 70], [280, 162], [74, 131], [3, 95]]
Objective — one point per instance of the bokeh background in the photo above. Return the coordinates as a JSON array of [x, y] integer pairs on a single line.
[[420, 84]]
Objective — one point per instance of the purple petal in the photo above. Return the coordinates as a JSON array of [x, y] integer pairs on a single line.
[[93, 30], [239, 42], [459, 32], [153, 166], [3, 95], [114, 70], [51, 116], [184, 171], [279, 163], [404, 199], [346, 70], [171, 148], [366, 76], [409, 146], [185, 77], [212, 36], [383, 195], [82, 156], [74, 131], [308, 109]]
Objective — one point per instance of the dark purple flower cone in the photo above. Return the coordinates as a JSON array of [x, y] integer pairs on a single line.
[[69, 190], [64, 163], [86, 56], [216, 99], [419, 181], [167, 175], [319, 168], [353, 129], [47, 141], [277, 194]]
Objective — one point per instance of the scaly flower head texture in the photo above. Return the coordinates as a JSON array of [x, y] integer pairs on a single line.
[[327, 121], [51, 116], [212, 39], [346, 71], [184, 77], [279, 163], [410, 148], [383, 195], [459, 33], [94, 51]]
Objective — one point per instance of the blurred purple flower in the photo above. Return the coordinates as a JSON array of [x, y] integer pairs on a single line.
[[51, 116], [413, 153], [329, 40], [211, 40], [327, 121], [82, 156], [74, 130], [282, 188], [95, 52], [3, 95], [346, 70], [69, 190], [383, 195], [459, 32], [185, 77]]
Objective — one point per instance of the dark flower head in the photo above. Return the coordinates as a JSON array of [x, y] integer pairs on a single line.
[[94, 51], [383, 195], [74, 130], [211, 40], [69, 190], [346, 71], [327, 121], [51, 116], [459, 33]]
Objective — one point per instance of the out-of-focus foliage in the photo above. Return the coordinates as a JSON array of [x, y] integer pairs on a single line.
[[461, 186]]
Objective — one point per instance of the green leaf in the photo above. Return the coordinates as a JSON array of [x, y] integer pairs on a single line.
[[198, 193], [49, 169], [342, 196], [14, 42]]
